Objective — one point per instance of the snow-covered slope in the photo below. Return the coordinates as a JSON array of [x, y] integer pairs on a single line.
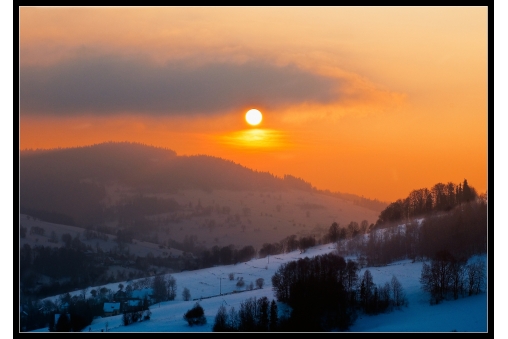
[[463, 315]]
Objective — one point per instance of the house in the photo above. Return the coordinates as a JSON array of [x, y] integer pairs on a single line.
[[111, 309]]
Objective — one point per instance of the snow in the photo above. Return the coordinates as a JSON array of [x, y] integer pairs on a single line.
[[468, 314]]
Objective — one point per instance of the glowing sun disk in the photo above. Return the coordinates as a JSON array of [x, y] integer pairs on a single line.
[[253, 117]]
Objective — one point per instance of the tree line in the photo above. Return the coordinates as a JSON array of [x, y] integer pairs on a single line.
[[254, 315], [447, 276], [424, 201], [462, 232]]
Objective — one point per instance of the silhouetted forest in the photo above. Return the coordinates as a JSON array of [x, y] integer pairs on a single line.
[[441, 197], [325, 293]]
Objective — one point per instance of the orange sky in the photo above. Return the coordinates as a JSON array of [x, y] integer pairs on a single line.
[[374, 101]]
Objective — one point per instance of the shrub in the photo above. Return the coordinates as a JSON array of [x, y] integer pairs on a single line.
[[147, 315], [195, 316], [132, 317]]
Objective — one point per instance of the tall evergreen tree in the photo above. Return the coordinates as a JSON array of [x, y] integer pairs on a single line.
[[274, 316], [63, 323], [160, 291], [221, 320]]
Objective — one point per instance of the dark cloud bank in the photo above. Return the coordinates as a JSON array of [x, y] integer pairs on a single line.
[[109, 85]]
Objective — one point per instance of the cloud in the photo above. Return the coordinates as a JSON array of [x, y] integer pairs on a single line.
[[108, 85]]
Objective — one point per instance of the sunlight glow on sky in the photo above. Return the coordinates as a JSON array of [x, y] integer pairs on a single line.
[[375, 101]]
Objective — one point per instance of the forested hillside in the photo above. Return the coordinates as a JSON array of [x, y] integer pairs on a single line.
[[440, 198], [71, 186]]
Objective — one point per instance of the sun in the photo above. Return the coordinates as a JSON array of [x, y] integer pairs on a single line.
[[253, 117]]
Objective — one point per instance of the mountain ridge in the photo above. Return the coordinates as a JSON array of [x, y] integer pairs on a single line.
[[146, 165]]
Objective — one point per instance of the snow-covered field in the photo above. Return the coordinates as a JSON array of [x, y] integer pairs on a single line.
[[467, 314]]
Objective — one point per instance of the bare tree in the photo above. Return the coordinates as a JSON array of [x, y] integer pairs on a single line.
[[160, 290], [186, 294], [171, 289], [475, 278], [260, 282], [83, 292], [399, 297]]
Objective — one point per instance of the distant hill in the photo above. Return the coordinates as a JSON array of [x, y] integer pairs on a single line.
[[73, 185], [139, 165]]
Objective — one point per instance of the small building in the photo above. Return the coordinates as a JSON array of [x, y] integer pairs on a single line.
[[111, 309]]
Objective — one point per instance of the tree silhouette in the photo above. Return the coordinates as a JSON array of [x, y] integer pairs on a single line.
[[186, 294], [333, 232], [195, 316], [63, 323]]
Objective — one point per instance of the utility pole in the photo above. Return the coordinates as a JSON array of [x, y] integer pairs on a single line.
[[220, 283]]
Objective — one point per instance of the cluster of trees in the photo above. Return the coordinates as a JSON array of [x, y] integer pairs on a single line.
[[441, 197], [336, 233], [35, 313], [325, 293], [287, 245], [62, 262], [164, 288], [75, 313], [447, 276], [75, 265], [225, 255], [462, 231], [230, 255], [255, 315], [376, 299]]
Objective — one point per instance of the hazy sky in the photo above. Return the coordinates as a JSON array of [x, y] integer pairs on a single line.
[[376, 101]]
